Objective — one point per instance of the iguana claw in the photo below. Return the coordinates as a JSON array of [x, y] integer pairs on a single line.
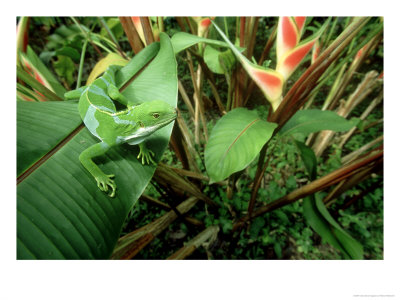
[[103, 182], [146, 155]]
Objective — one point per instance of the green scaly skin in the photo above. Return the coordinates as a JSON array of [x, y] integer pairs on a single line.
[[132, 125]]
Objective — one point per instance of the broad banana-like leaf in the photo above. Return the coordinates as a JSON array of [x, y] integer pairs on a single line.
[[61, 213]]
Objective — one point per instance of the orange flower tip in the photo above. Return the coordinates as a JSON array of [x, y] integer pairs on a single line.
[[205, 22], [289, 33], [300, 22], [136, 20]]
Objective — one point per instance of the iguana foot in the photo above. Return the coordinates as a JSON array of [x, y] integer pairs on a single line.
[[104, 182], [146, 156]]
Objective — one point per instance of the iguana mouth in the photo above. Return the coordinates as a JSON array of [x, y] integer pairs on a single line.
[[144, 132]]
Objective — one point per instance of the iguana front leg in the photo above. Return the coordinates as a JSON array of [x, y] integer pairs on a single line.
[[74, 94], [146, 154], [104, 182]]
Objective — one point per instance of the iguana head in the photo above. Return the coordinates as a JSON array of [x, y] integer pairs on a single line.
[[153, 115]]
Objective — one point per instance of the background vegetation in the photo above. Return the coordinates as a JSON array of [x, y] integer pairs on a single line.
[[306, 192]]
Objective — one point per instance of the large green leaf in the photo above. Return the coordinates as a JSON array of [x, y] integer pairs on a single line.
[[313, 120], [61, 213], [235, 141], [35, 137]]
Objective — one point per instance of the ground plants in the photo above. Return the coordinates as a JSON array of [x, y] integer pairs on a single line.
[[276, 152]]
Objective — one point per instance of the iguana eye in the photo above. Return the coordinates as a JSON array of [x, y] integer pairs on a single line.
[[156, 115]]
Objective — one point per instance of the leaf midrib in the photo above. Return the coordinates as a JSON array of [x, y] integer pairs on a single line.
[[239, 135], [49, 154]]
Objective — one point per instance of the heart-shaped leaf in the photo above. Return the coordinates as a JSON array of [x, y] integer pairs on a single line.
[[235, 141], [61, 213]]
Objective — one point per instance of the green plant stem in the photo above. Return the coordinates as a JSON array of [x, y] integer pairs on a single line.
[[82, 60], [160, 24], [226, 27], [328, 37], [87, 35], [111, 35]]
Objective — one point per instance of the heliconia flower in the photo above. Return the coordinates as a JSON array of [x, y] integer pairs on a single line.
[[268, 80], [138, 26], [203, 25], [292, 59], [380, 76], [290, 54], [315, 51], [288, 36], [300, 22]]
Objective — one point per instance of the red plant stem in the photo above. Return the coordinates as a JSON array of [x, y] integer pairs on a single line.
[[147, 30], [258, 183]]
